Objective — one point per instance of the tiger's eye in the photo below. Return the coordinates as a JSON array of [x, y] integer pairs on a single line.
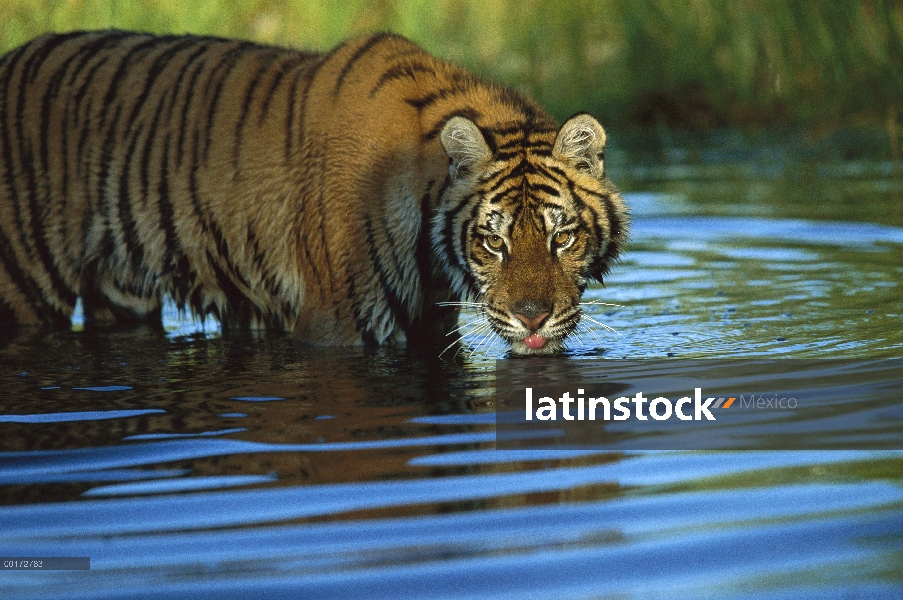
[[495, 241], [562, 238]]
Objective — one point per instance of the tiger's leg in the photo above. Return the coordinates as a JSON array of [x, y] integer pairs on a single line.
[[101, 312], [18, 306], [105, 304], [35, 285]]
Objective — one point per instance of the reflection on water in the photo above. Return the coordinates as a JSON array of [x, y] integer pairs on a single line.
[[192, 466]]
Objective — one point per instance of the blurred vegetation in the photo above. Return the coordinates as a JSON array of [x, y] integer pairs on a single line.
[[815, 65]]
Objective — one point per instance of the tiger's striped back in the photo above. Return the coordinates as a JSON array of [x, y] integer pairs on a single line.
[[263, 186]]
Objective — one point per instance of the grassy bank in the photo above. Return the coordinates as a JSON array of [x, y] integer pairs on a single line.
[[697, 63]]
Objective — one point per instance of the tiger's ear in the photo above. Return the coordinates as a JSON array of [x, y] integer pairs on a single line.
[[465, 145], [581, 142]]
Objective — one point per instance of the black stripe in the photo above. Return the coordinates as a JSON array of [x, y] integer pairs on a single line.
[[270, 93], [51, 93], [507, 142], [614, 222], [361, 323], [172, 246], [122, 70], [268, 279], [409, 70], [150, 142], [157, 66], [465, 232], [459, 81], [21, 279], [515, 129], [431, 98], [579, 203], [180, 272], [589, 192], [396, 305], [495, 188], [501, 195], [422, 252], [237, 305], [41, 53], [600, 265], [208, 223], [516, 213], [358, 54], [308, 75], [321, 211], [290, 116], [520, 129], [243, 116], [183, 290], [9, 60], [133, 248], [523, 168], [81, 107], [27, 167], [554, 173], [447, 233], [89, 51], [468, 113], [64, 174], [84, 54], [547, 189], [182, 109], [226, 65], [193, 183], [78, 98], [107, 148], [30, 70], [597, 230], [508, 154], [476, 259]]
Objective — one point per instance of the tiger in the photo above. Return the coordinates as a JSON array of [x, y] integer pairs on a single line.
[[359, 196]]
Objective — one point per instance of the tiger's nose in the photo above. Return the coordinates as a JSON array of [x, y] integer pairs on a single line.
[[530, 313]]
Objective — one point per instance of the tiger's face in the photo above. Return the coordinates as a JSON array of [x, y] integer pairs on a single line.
[[527, 221]]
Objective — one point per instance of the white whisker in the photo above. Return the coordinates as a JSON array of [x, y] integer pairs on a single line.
[[478, 325], [462, 304], [604, 304], [476, 321], [475, 332], [586, 328], [576, 335], [447, 347], [600, 324], [481, 342]]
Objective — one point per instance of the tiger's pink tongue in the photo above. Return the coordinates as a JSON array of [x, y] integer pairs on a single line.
[[534, 342]]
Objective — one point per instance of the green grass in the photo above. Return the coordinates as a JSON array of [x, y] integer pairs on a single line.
[[696, 63]]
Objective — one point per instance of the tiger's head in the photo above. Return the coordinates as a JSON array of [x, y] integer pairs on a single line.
[[526, 221]]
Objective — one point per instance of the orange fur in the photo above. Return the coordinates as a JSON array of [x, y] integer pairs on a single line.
[[340, 196]]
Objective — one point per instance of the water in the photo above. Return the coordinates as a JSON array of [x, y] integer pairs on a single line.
[[193, 466]]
